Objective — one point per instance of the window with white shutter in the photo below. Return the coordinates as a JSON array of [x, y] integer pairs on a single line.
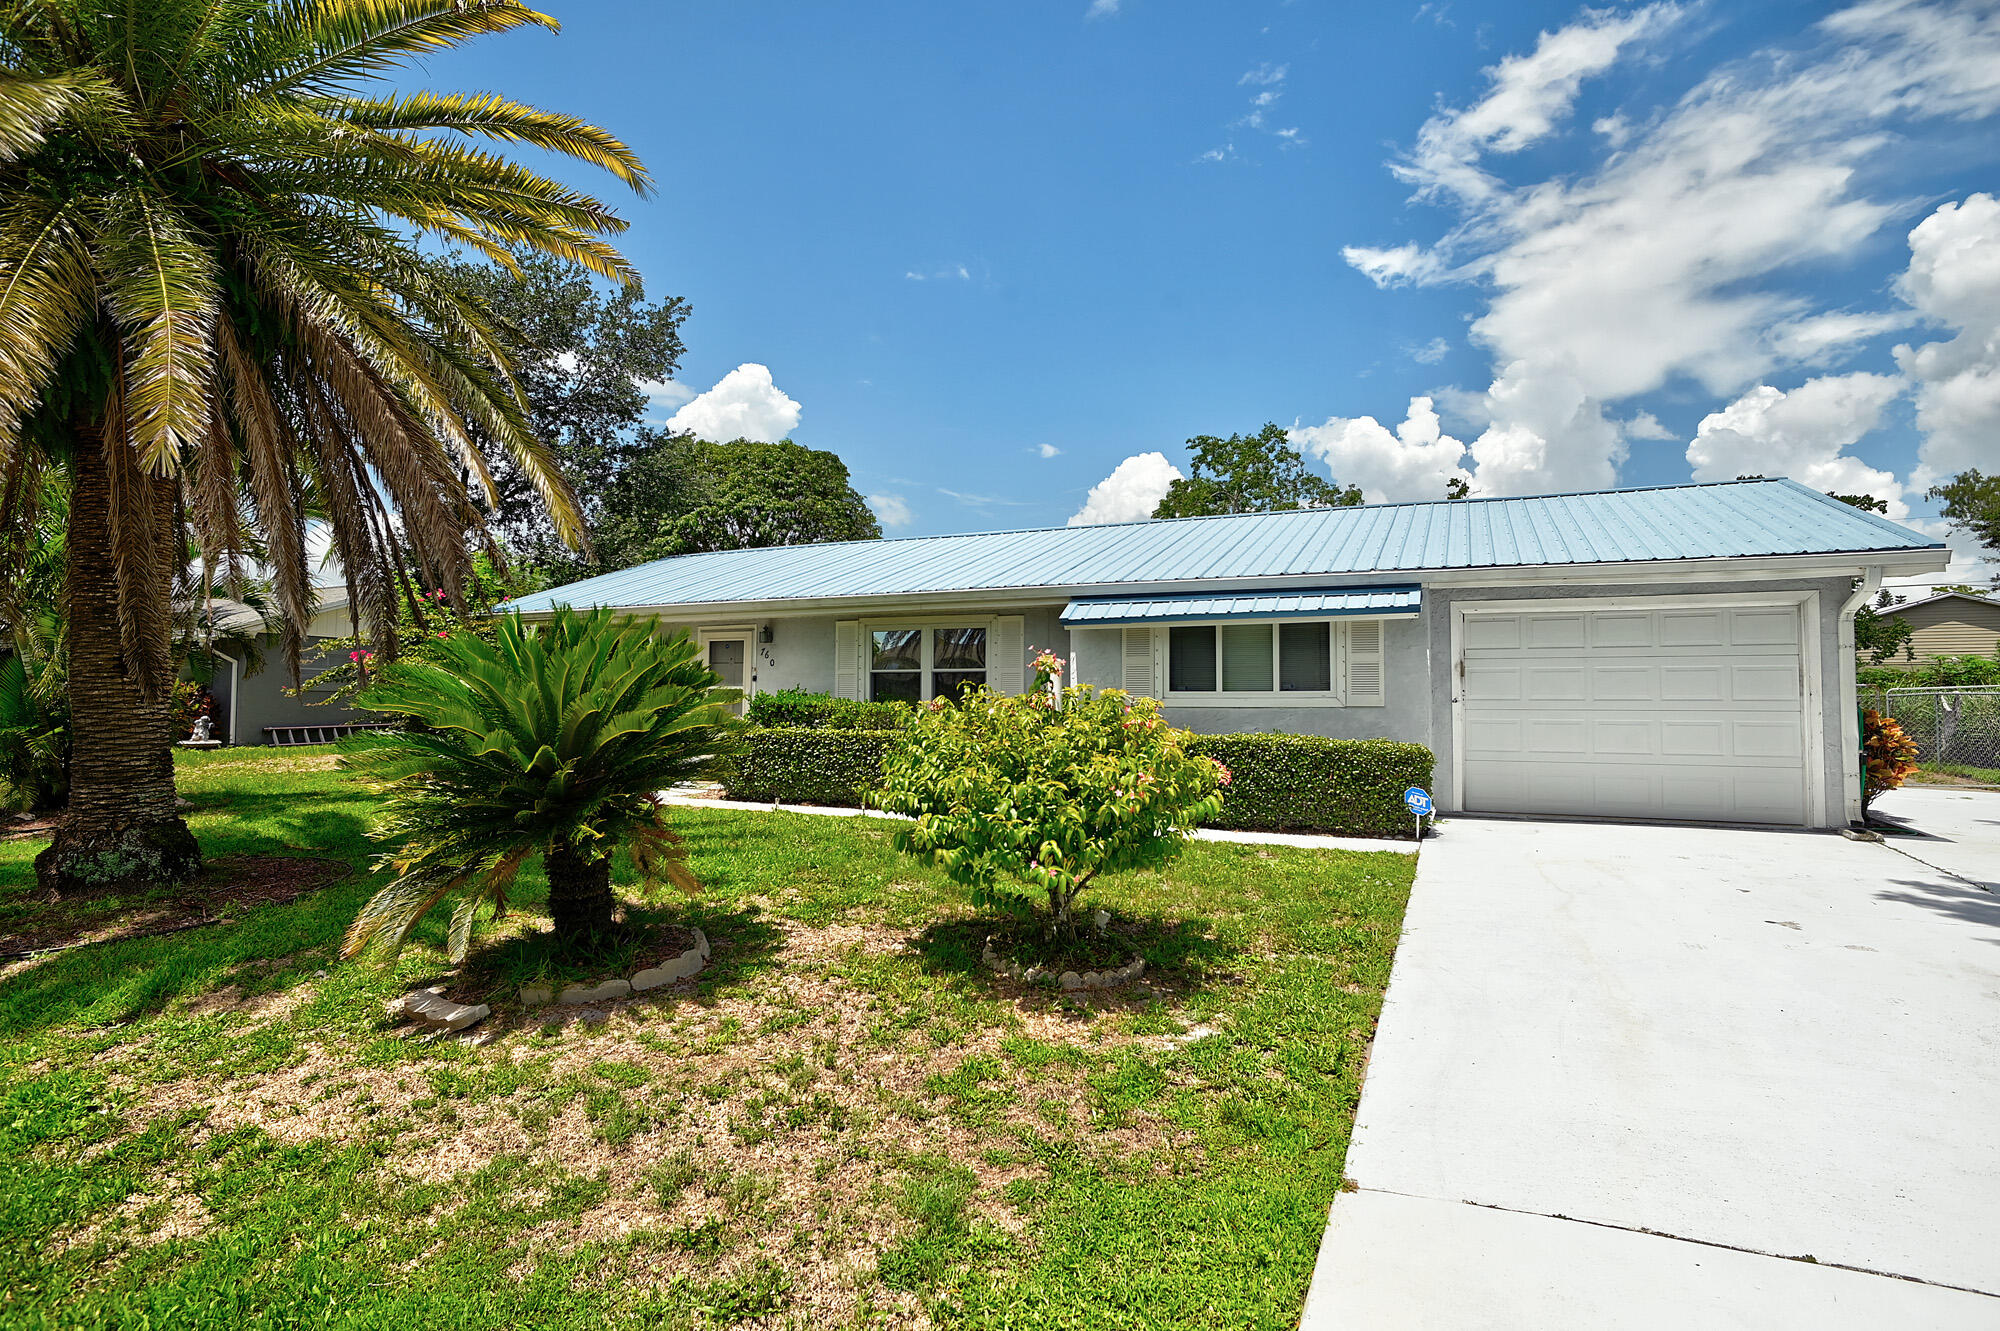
[[1007, 667], [1364, 663], [847, 658], [1137, 675]]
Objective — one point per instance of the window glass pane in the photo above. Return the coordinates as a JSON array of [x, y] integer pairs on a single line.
[[1305, 656], [898, 649], [1246, 658], [896, 686], [1191, 659], [958, 649], [951, 683]]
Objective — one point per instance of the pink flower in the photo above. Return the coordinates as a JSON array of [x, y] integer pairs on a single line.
[[443, 634], [1222, 774], [354, 656]]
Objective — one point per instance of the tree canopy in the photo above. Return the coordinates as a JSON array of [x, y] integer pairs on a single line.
[[1972, 504], [1250, 473], [581, 355], [682, 495]]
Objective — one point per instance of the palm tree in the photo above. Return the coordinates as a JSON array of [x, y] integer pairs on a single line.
[[551, 741], [214, 313]]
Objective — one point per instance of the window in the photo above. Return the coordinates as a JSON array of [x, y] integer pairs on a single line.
[[1260, 657], [915, 665]]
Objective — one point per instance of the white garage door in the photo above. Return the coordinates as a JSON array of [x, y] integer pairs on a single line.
[[1679, 712]]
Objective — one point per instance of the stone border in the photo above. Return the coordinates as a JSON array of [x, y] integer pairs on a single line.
[[431, 1008], [685, 966], [1068, 979]]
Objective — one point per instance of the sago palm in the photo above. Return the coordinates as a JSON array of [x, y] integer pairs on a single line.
[[554, 740], [214, 313]]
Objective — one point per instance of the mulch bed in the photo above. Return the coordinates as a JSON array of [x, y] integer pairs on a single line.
[[229, 887]]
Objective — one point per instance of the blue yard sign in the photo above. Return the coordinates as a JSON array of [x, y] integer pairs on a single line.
[[1419, 801]]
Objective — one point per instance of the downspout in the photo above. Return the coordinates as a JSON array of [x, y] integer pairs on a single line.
[[1850, 701]]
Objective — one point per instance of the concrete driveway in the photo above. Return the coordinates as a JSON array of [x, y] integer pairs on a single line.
[[1675, 1077]]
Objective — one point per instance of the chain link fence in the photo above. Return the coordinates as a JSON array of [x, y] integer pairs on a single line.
[[1952, 727]]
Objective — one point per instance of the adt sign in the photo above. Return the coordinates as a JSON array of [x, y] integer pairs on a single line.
[[1419, 801]]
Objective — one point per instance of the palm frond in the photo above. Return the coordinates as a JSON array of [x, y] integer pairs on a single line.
[[160, 282]]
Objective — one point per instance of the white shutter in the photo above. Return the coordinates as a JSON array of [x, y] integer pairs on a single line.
[[1363, 659], [847, 670], [1006, 658], [1137, 676]]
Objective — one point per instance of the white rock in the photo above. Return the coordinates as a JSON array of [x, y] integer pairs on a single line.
[[1092, 980], [1030, 975], [438, 1012], [575, 994], [536, 995], [1103, 920], [1071, 980], [613, 989], [651, 978], [701, 944]]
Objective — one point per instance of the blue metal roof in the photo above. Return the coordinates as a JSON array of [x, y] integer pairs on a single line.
[[1247, 605], [1678, 522]]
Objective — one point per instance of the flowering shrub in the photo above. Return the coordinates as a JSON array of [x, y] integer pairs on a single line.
[[1889, 754], [1047, 789], [421, 631]]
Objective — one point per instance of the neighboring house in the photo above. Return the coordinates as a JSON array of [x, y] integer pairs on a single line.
[[249, 708], [1949, 624], [1680, 652]]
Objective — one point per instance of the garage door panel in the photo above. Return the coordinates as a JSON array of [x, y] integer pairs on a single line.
[[1502, 631], [1694, 739], [1546, 683], [1612, 629], [1543, 632], [1773, 682], [1624, 683], [1692, 628], [1492, 681], [1754, 628], [1692, 712]]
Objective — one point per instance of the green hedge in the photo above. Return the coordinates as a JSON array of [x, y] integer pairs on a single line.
[[1278, 783], [1307, 783], [797, 709], [796, 765]]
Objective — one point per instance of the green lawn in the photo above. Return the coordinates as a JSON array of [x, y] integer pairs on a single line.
[[1954, 774], [846, 1122]]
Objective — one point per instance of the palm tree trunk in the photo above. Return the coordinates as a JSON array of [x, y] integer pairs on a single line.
[[120, 829], [580, 900]]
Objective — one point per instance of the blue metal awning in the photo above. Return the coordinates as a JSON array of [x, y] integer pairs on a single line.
[[1085, 612]]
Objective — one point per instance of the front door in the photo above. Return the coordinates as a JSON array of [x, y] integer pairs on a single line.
[[730, 658]]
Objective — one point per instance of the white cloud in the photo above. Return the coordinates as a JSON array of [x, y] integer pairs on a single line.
[[1667, 262], [744, 404], [1527, 95], [1431, 352], [1222, 154], [1817, 338], [662, 397], [893, 510], [1265, 75], [1101, 9], [1645, 425], [1954, 281], [953, 272], [1132, 491], [1047, 450], [1803, 434], [1415, 462]]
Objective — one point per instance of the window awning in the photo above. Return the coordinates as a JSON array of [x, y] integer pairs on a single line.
[[1381, 602]]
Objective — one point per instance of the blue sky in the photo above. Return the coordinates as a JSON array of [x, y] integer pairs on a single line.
[[1005, 258]]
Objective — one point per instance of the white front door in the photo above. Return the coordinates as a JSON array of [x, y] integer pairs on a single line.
[[1685, 711], [730, 658]]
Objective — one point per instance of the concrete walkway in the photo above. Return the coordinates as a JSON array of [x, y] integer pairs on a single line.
[[1673, 1077], [1300, 840]]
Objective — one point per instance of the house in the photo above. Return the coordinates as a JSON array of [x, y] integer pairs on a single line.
[[1949, 624], [253, 699], [1682, 652]]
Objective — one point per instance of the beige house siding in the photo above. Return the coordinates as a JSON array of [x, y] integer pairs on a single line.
[[1960, 626]]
